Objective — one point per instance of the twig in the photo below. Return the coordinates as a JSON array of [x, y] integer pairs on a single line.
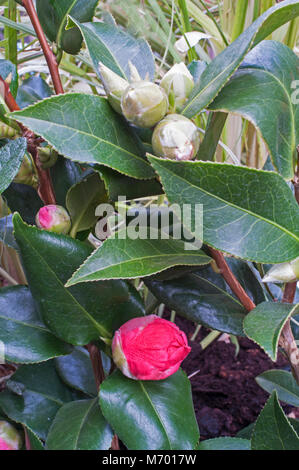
[[231, 280], [48, 53], [97, 366]]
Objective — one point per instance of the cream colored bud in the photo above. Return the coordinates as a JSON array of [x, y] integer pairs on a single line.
[[114, 86], [283, 272], [178, 84]]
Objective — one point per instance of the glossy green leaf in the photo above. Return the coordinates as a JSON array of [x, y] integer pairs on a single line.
[[79, 314], [150, 414], [24, 335], [212, 135], [31, 90], [42, 395], [283, 382], [225, 443], [240, 217], [218, 72], [64, 174], [23, 199], [121, 185], [75, 370], [115, 48], [53, 18], [11, 157], [35, 442], [126, 258], [272, 430], [79, 425], [265, 78], [82, 200], [85, 129], [203, 298], [264, 324]]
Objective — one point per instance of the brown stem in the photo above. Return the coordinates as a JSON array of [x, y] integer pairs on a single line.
[[27, 440], [97, 366], [231, 280], [49, 56], [99, 375]]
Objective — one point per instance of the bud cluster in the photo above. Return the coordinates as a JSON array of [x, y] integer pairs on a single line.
[[148, 105]]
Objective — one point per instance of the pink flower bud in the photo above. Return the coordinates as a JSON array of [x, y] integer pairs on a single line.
[[9, 437], [149, 348], [54, 219]]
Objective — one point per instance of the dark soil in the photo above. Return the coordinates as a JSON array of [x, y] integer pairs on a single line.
[[225, 394]]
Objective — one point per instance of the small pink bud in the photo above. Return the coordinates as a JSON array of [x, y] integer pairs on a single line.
[[10, 439], [54, 219], [149, 348]]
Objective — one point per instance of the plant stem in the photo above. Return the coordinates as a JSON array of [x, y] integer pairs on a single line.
[[239, 22], [97, 366], [231, 280], [11, 34], [209, 339], [49, 56]]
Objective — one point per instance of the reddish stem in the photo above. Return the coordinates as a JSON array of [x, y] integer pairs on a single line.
[[96, 361], [231, 280], [49, 56]]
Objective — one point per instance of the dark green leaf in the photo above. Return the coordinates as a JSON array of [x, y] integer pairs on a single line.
[[264, 324], [240, 217], [23, 199], [115, 48], [283, 382], [26, 338], [82, 200], [40, 400], [32, 89], [35, 442], [225, 64], [11, 157], [79, 425], [122, 185], [150, 414], [126, 258], [202, 297], [79, 314], [225, 443], [99, 136], [272, 430], [65, 174], [53, 18], [261, 92], [76, 371]]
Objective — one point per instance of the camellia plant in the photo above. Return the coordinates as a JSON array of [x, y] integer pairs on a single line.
[[125, 206]]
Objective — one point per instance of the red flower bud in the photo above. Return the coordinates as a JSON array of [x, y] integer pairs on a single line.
[[9, 437], [149, 348], [54, 219]]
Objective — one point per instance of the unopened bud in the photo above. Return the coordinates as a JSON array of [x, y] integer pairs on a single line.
[[144, 103], [114, 86], [54, 219], [47, 157], [178, 84], [10, 439], [283, 272], [27, 173], [134, 74], [176, 137]]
